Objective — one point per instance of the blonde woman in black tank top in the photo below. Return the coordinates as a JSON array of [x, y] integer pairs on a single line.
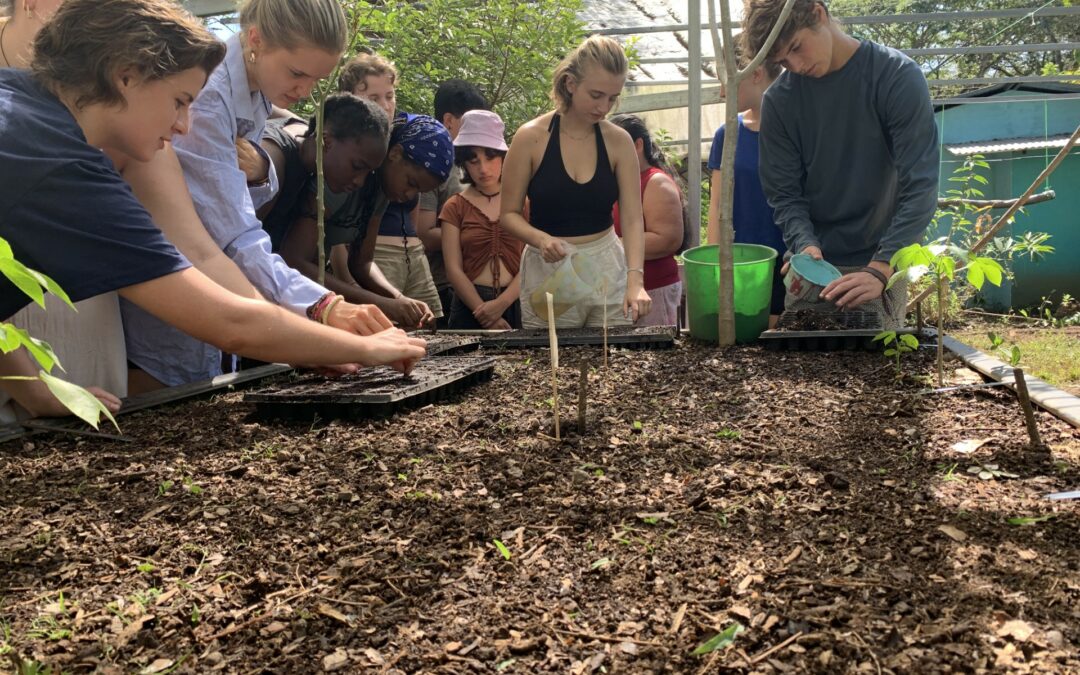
[[558, 160]]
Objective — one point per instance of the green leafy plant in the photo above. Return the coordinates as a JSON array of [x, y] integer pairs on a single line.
[[34, 284], [941, 261], [502, 548], [897, 345]]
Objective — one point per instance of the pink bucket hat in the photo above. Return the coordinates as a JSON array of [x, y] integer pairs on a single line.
[[481, 129]]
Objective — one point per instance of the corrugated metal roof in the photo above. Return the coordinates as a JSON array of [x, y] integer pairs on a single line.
[[1008, 145]]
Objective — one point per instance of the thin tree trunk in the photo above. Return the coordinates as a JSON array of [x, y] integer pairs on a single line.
[[730, 75], [320, 187]]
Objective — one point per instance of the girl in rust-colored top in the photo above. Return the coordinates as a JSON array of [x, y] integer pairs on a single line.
[[482, 259]]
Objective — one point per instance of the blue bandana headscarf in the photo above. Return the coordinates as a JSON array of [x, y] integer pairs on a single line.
[[426, 142]]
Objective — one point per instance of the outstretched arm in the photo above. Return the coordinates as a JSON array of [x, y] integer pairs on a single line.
[[254, 328], [159, 185]]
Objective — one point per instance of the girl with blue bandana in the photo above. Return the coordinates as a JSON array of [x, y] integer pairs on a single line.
[[420, 157]]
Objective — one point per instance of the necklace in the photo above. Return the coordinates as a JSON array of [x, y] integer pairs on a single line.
[[573, 137], [2, 52], [489, 197]]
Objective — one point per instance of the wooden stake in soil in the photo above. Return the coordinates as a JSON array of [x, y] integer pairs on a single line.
[[583, 385], [1025, 404], [941, 286], [553, 340], [604, 291]]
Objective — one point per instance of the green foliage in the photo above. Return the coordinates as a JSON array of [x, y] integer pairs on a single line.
[[79, 401], [924, 34], [502, 548], [939, 260], [897, 345], [507, 48]]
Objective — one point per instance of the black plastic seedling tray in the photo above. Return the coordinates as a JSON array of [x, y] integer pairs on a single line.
[[630, 337], [442, 344], [830, 340], [373, 392]]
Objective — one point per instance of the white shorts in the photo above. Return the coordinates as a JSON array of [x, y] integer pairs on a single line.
[[577, 283]]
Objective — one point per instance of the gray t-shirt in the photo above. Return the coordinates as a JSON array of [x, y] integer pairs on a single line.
[[849, 161], [347, 214], [434, 201]]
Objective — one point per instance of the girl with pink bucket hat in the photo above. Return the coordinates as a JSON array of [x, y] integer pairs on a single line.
[[482, 259]]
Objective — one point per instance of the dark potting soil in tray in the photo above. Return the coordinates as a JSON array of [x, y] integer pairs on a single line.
[[373, 392], [633, 337], [439, 344], [809, 320]]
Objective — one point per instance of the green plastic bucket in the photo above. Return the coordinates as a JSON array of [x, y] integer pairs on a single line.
[[754, 266]]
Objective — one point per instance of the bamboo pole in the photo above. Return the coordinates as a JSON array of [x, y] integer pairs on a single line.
[[994, 203], [1016, 206], [553, 340], [730, 76]]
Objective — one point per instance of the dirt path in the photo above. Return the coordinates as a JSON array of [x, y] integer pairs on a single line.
[[806, 496]]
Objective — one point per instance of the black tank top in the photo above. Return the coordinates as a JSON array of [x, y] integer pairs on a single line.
[[562, 207]]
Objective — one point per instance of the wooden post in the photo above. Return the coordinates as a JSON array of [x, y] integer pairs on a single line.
[[553, 340], [1025, 404], [941, 293], [918, 317], [604, 291], [582, 397]]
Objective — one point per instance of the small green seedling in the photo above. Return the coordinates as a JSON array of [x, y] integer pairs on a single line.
[[191, 487], [897, 345], [997, 344], [1031, 520], [720, 640], [728, 434], [949, 471], [600, 564], [163, 487], [989, 472], [145, 567], [502, 548], [637, 426]]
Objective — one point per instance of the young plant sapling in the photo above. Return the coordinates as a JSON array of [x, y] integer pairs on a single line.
[[940, 261], [897, 345]]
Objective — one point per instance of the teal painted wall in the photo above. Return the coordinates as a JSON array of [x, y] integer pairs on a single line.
[[990, 121], [1010, 176]]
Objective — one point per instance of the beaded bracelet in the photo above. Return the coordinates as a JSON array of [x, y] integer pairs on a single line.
[[316, 311], [325, 317]]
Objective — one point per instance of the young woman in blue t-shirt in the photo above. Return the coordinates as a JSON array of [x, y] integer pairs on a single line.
[[752, 216], [98, 82]]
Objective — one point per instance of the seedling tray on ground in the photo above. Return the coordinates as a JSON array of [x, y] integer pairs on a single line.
[[373, 392], [631, 337], [831, 340]]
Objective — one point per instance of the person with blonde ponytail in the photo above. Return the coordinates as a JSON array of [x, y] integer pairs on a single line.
[[283, 48], [574, 165]]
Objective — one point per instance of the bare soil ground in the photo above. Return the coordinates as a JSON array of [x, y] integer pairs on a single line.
[[811, 498]]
